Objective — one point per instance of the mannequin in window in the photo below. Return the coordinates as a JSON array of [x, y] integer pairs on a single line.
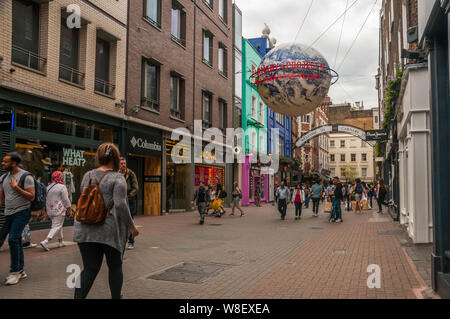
[[68, 181]]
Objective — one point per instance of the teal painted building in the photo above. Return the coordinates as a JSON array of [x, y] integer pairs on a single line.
[[254, 124]]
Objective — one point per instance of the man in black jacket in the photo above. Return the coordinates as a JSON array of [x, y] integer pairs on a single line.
[[337, 196], [201, 198]]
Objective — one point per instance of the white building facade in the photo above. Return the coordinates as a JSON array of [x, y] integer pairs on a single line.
[[413, 120]]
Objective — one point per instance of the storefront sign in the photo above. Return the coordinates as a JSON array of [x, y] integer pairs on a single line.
[[144, 144], [377, 135], [73, 157], [152, 179]]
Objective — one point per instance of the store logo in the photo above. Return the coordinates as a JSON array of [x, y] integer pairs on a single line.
[[144, 144]]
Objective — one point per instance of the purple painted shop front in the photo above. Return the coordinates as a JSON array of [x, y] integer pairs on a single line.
[[251, 177]]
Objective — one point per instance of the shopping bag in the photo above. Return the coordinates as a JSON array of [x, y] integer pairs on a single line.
[[216, 204], [353, 205], [365, 205], [327, 207]]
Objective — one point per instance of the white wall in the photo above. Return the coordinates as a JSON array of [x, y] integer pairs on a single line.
[[424, 10]]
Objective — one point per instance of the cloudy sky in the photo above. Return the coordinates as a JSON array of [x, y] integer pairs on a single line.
[[284, 17]]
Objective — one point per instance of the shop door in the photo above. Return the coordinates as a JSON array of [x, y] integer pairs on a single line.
[[136, 164]]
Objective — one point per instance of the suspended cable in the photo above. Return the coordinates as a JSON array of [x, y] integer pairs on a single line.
[[331, 25], [304, 20], [340, 36], [352, 99], [359, 32]]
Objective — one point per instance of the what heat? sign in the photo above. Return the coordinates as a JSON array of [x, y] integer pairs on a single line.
[[73, 157]]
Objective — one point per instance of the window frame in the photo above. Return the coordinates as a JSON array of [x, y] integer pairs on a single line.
[[158, 23], [224, 49], [208, 34], [181, 38], [343, 158], [224, 18], [207, 123], [144, 98]]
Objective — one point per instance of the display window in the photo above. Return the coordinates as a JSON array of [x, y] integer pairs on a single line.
[[208, 174], [42, 158]]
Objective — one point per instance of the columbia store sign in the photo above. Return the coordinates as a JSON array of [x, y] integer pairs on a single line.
[[145, 144]]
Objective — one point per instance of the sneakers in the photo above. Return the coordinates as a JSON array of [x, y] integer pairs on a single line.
[[242, 214], [338, 220], [202, 222], [332, 220], [130, 246], [61, 244], [232, 214], [13, 278], [45, 246]]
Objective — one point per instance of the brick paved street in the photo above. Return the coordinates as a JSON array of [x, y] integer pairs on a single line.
[[262, 257]]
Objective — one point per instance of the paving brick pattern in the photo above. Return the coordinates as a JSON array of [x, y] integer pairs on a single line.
[[267, 258]]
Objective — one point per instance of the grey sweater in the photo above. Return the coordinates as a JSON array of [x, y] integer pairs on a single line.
[[114, 231]]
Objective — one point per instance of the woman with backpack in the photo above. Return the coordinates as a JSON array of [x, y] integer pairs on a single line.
[[381, 193], [103, 222], [58, 204]]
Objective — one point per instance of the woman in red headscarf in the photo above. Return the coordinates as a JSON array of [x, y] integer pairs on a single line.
[[58, 204]]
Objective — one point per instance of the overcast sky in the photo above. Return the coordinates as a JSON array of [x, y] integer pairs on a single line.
[[284, 17]]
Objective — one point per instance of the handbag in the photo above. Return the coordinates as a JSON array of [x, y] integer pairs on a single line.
[[327, 207]]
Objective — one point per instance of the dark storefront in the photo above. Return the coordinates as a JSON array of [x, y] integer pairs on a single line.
[[144, 158], [48, 140]]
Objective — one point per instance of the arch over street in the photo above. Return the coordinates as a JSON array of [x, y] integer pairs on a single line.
[[336, 128]]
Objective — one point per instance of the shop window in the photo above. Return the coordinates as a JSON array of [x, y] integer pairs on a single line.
[[208, 174], [64, 125], [178, 27], [42, 158], [25, 35], [152, 12]]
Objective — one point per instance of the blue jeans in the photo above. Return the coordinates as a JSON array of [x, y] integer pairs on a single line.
[[132, 206], [336, 212], [16, 224], [306, 201]]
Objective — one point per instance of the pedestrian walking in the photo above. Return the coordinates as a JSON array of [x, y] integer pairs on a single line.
[[17, 190], [306, 191], [221, 195], [132, 192], [201, 199], [381, 194], [237, 196], [316, 194], [298, 198], [283, 196], [108, 233], [275, 194], [359, 190], [58, 204], [258, 195], [336, 193], [349, 196], [371, 194]]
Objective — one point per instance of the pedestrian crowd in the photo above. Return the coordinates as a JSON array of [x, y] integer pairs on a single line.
[[104, 214]]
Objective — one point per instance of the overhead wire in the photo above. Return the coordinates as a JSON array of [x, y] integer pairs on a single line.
[[340, 36], [332, 24], [304, 20], [357, 35]]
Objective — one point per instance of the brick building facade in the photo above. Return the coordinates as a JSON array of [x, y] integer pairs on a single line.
[[179, 71]]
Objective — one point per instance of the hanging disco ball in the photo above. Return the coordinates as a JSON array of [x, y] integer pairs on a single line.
[[293, 79]]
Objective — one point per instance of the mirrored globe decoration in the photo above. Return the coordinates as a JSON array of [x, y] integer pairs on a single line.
[[293, 79]]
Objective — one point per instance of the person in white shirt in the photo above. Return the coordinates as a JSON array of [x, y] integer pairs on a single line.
[[58, 204]]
